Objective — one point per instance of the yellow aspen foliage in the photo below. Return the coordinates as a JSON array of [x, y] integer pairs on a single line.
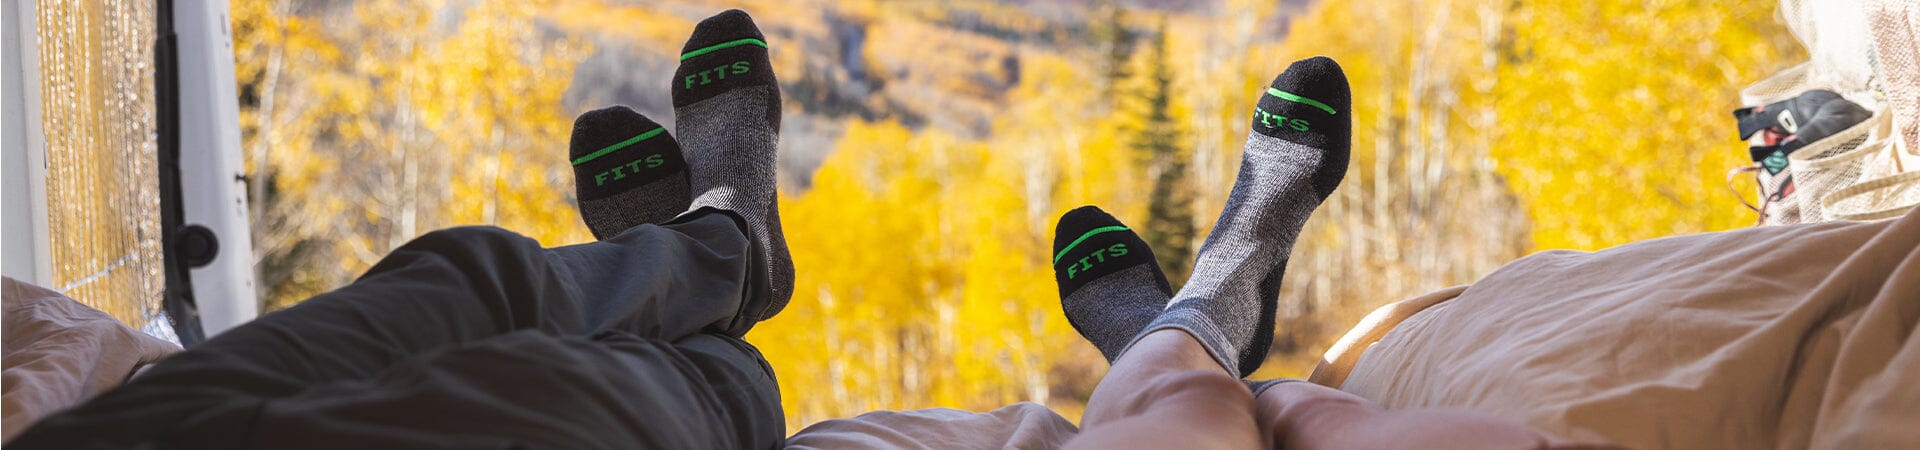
[[1614, 124], [915, 257], [924, 276], [643, 25], [368, 132], [492, 102]]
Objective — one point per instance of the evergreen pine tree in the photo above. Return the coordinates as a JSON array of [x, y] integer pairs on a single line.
[[1170, 230]]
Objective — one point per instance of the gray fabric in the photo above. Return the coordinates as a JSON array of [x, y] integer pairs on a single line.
[[1112, 309], [730, 141], [664, 281], [1260, 387], [472, 338], [1239, 267], [653, 202]]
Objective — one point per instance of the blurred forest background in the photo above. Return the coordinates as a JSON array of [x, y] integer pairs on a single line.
[[929, 146]]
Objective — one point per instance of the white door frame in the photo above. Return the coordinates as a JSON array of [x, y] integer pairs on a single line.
[[23, 221], [212, 176]]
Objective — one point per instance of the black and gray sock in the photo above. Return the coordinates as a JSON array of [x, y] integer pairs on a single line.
[[1293, 160], [1110, 286], [627, 171], [728, 105]]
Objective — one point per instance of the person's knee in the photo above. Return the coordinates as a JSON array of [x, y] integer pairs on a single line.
[[1207, 401], [475, 250], [728, 351], [473, 241], [495, 267], [1205, 390]]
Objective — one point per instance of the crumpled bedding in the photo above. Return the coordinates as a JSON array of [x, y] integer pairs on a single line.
[[59, 353], [1775, 337]]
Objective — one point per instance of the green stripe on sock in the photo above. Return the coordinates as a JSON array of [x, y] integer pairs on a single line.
[[1288, 96], [1083, 237], [621, 145], [722, 45]]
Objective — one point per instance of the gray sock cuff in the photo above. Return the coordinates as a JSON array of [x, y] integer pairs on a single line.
[[1203, 330], [1260, 387]]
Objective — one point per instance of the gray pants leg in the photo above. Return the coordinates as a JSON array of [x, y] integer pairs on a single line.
[[429, 344]]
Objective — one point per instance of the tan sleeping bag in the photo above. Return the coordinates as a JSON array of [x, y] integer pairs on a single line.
[[1776, 337]]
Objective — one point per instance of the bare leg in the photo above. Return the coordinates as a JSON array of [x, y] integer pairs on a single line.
[[1310, 416], [1167, 392]]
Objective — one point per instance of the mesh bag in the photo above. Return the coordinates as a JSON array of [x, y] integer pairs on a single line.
[[1895, 26], [1780, 86], [1866, 51], [1877, 199], [1837, 162]]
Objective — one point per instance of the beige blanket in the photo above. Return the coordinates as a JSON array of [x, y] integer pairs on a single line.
[[1781, 337], [59, 352]]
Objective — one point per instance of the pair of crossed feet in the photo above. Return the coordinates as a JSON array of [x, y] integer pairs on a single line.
[[1111, 289], [629, 171]]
